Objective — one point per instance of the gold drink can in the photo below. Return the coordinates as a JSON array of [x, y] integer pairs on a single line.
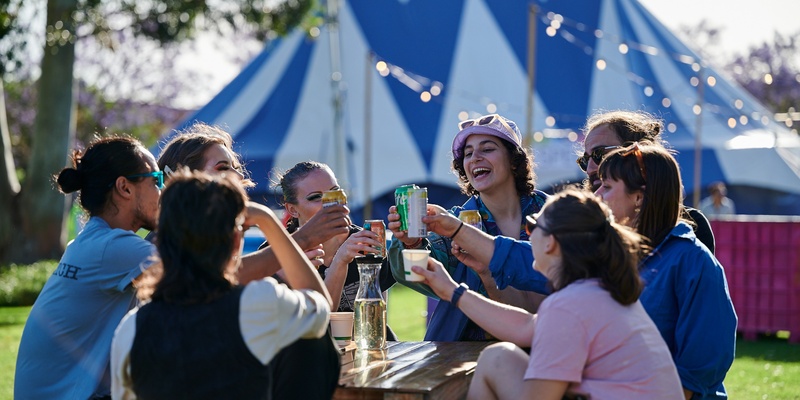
[[333, 197], [379, 227], [471, 217]]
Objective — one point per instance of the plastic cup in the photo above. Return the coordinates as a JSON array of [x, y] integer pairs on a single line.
[[342, 327], [418, 258]]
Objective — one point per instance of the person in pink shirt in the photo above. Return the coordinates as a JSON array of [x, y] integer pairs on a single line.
[[591, 338]]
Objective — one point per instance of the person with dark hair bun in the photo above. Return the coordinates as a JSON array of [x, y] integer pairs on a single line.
[[200, 335], [591, 338], [64, 351]]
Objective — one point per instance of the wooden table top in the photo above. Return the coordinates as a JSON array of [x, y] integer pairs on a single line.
[[409, 370]]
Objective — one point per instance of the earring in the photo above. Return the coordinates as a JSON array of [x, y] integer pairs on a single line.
[[637, 209]]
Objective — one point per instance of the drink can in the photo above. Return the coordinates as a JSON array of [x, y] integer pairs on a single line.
[[417, 208], [471, 217], [401, 202], [379, 227], [333, 197]]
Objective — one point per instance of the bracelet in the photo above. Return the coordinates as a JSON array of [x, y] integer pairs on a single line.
[[453, 236], [458, 293]]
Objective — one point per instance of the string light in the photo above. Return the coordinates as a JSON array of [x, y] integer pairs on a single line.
[[555, 24]]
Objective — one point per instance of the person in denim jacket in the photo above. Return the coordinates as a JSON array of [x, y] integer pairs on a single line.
[[497, 173]]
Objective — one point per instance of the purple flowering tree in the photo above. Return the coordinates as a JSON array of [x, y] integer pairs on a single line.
[[771, 72], [32, 213]]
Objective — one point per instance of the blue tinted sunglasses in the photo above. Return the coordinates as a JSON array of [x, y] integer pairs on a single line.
[[159, 175]]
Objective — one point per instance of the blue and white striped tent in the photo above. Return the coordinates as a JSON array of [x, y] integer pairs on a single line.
[[405, 72]]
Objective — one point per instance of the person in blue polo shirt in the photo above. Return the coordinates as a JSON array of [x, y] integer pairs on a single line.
[[65, 346]]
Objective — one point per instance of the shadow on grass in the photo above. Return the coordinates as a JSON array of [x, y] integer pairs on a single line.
[[768, 348]]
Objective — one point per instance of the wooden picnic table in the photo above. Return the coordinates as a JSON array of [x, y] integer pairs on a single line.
[[409, 370]]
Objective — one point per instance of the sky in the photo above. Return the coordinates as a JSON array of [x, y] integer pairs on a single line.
[[743, 24]]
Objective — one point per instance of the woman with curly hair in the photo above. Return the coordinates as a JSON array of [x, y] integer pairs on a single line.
[[496, 171]]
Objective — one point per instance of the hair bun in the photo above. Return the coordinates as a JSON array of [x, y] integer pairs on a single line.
[[70, 180]]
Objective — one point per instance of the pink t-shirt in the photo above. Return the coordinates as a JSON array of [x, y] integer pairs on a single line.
[[604, 349]]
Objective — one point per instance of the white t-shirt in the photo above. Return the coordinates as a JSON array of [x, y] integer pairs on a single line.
[[604, 349], [271, 317]]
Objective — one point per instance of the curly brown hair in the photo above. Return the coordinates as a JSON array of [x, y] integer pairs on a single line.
[[521, 167]]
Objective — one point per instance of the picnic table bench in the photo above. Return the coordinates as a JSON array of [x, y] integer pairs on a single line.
[[409, 370]]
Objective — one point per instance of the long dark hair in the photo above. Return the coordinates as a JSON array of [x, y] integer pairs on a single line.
[[188, 147], [593, 245], [195, 239], [661, 206], [95, 170], [521, 167], [288, 184]]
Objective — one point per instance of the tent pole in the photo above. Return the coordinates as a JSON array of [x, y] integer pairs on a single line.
[[368, 136], [339, 166], [527, 142], [698, 144]]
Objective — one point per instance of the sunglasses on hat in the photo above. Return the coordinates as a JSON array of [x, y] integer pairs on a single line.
[[485, 120]]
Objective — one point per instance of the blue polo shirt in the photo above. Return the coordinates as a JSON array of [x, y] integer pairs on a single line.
[[66, 343]]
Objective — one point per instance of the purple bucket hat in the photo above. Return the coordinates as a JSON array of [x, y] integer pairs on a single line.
[[492, 124]]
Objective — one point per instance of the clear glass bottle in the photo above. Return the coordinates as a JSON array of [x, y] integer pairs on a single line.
[[370, 307]]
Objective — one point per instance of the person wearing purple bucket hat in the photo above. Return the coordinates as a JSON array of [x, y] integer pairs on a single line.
[[496, 172]]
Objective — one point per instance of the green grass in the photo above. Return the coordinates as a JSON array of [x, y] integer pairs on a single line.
[[12, 320], [767, 369], [407, 313]]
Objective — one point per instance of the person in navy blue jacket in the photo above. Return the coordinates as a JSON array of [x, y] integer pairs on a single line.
[[686, 293], [496, 171]]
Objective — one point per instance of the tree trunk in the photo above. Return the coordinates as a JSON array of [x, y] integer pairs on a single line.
[[42, 233], [9, 184]]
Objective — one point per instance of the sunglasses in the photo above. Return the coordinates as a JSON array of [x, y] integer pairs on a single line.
[[485, 120], [597, 155], [159, 175], [531, 224], [637, 152]]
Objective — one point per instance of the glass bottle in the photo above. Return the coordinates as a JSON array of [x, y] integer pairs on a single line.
[[370, 308]]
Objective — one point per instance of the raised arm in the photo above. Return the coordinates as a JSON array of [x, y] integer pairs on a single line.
[[357, 244], [327, 223], [299, 272], [504, 322], [475, 249]]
